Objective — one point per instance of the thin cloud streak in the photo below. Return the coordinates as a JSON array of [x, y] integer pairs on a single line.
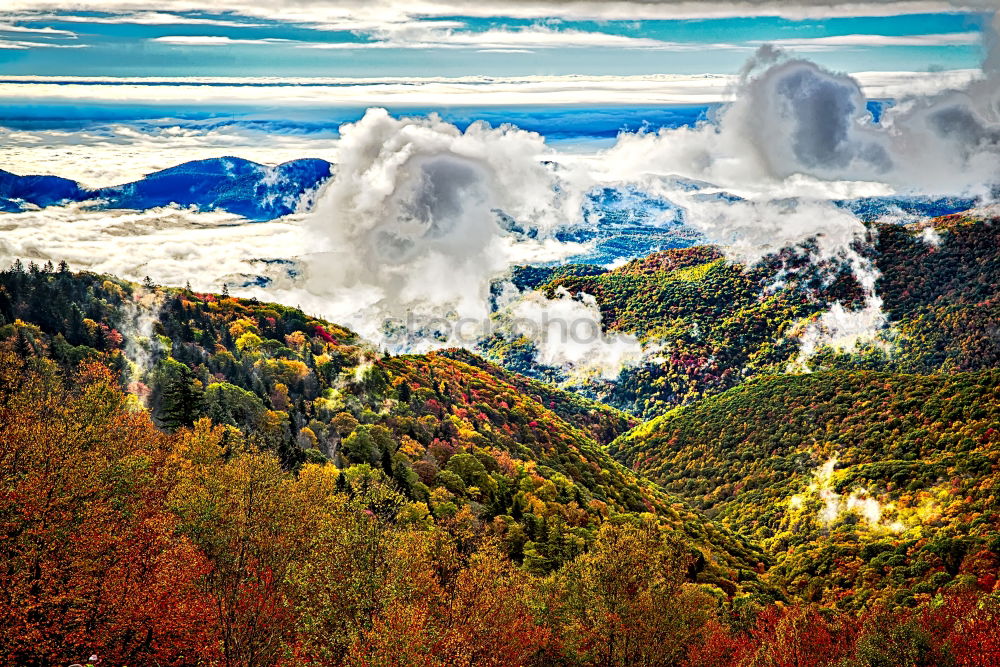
[[43, 32], [24, 44], [134, 18], [496, 41], [661, 89], [211, 40], [840, 41], [346, 14]]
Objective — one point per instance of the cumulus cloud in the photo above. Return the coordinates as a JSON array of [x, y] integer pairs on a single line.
[[410, 225], [792, 119]]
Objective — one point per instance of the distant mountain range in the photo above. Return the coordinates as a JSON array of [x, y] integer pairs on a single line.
[[255, 191], [627, 222], [905, 208]]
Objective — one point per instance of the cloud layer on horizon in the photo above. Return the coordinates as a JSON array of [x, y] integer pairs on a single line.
[[221, 92]]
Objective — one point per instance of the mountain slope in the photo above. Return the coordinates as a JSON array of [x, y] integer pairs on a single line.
[[16, 191], [452, 433], [859, 484], [714, 323], [255, 191]]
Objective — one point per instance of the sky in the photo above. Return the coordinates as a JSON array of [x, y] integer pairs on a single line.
[[314, 64], [127, 38], [108, 90]]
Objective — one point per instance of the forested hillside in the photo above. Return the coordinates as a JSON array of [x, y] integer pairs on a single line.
[[860, 485], [447, 433], [715, 323], [198, 479], [198, 548], [941, 285], [875, 477]]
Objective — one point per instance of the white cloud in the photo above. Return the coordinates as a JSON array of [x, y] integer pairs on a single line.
[[419, 37], [429, 91], [835, 506], [23, 44], [407, 227], [44, 32], [840, 41], [170, 245], [350, 15], [568, 333], [135, 18], [841, 329], [208, 40], [796, 120]]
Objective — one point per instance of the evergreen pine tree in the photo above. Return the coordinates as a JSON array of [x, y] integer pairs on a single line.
[[182, 397], [22, 345]]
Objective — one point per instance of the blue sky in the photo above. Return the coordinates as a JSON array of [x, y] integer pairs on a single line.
[[184, 43], [106, 90]]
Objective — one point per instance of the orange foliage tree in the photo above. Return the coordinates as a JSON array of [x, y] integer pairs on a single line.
[[91, 561]]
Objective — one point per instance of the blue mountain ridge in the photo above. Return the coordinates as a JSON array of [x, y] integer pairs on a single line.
[[17, 191], [625, 221], [255, 191]]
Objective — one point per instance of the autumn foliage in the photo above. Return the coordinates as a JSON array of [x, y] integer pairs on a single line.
[[270, 491], [196, 548]]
